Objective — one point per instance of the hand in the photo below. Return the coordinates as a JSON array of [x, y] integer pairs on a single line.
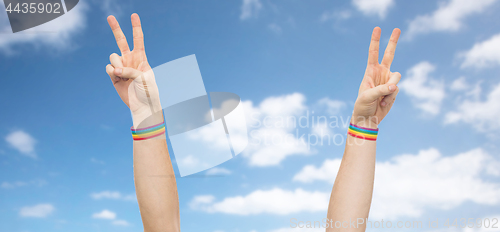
[[131, 74], [378, 89]]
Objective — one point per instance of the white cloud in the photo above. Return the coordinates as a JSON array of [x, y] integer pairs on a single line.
[[275, 28], [483, 115], [120, 223], [277, 127], [201, 201], [105, 214], [16, 184], [459, 84], [218, 171], [275, 201], [335, 15], [250, 9], [37, 211], [110, 215], [11, 185], [56, 34], [374, 7], [407, 185], [114, 195], [483, 54], [272, 126], [94, 160], [426, 93], [111, 7], [448, 17], [322, 130], [332, 107], [326, 172], [23, 142]]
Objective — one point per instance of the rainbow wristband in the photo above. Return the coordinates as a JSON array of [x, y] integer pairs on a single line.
[[362, 132], [148, 132]]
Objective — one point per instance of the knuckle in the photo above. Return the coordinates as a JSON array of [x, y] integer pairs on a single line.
[[120, 37], [381, 90]]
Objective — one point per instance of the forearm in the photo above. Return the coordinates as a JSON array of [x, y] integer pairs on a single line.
[[353, 188], [156, 187], [352, 191], [154, 176]]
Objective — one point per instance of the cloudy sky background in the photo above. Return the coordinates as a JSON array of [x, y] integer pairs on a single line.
[[66, 150]]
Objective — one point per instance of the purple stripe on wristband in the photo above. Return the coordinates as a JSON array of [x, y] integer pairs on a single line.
[[364, 128], [145, 128]]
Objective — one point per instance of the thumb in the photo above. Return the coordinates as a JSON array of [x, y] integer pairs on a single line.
[[371, 95], [127, 73]]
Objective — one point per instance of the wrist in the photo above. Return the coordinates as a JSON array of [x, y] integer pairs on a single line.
[[145, 118], [364, 121], [363, 132]]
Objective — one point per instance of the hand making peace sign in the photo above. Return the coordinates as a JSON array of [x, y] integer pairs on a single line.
[[131, 74], [378, 89]]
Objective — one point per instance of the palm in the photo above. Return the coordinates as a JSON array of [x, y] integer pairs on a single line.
[[133, 59], [380, 76], [377, 75]]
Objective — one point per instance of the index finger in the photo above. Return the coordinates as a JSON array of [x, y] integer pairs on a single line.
[[138, 35], [119, 36], [374, 46], [391, 48]]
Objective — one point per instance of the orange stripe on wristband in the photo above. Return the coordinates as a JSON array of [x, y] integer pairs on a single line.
[[362, 133], [148, 132]]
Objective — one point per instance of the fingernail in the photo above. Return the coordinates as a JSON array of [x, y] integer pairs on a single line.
[[117, 78], [392, 88], [118, 71], [383, 103]]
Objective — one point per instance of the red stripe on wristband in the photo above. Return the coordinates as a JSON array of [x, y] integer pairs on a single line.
[[360, 136]]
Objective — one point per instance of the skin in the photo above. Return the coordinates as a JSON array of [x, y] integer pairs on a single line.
[[352, 191], [154, 177]]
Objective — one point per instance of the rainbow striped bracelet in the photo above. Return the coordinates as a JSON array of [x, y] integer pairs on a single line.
[[362, 132], [148, 132]]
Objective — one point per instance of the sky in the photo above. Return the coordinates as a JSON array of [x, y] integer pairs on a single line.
[[66, 148]]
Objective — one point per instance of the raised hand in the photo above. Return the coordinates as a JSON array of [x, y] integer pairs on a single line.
[[378, 89], [131, 74], [154, 176]]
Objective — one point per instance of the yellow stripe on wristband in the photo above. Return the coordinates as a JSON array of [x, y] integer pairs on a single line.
[[148, 132], [362, 132]]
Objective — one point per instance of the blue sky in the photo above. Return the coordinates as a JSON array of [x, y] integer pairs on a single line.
[[66, 149]]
